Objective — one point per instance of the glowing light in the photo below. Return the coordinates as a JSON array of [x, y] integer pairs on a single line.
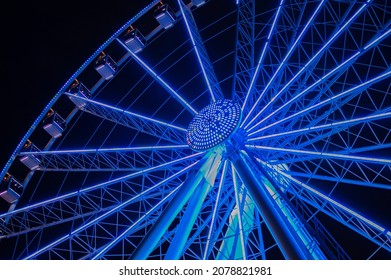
[[213, 125]]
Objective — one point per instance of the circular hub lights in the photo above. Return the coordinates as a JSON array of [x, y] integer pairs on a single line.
[[213, 125]]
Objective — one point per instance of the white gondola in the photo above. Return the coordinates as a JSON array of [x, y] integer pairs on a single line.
[[54, 124], [165, 16], [134, 40], [105, 66], [78, 89], [10, 189], [31, 161]]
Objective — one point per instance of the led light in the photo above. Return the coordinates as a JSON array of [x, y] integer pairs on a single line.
[[213, 125]]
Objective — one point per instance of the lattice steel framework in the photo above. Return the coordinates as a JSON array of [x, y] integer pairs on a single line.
[[229, 130]]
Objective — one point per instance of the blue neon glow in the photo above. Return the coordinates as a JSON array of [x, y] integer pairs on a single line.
[[108, 150], [336, 204], [160, 80], [320, 52], [309, 133], [327, 101], [196, 48], [101, 185], [345, 123], [256, 73], [213, 125], [323, 154], [122, 111]]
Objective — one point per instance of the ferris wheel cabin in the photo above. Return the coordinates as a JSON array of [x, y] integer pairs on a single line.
[[134, 40], [30, 160], [54, 124], [165, 16], [10, 188], [105, 66], [80, 92]]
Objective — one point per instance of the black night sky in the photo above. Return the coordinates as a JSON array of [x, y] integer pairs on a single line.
[[43, 43]]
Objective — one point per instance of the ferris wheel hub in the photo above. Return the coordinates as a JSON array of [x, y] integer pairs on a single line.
[[213, 125]]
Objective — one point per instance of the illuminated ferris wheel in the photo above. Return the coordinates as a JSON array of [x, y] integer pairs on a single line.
[[214, 130]]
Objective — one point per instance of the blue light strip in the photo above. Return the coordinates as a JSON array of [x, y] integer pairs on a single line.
[[367, 184], [257, 69], [215, 209], [123, 235], [350, 122], [343, 65], [378, 39], [122, 111], [160, 80], [239, 208], [339, 206], [197, 45], [287, 56], [353, 90], [177, 245], [176, 205], [108, 150], [110, 212], [323, 154], [318, 54], [99, 186]]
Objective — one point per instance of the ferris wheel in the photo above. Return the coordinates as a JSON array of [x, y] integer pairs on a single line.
[[214, 130]]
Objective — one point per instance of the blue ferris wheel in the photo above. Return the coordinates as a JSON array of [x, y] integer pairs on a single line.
[[214, 130]]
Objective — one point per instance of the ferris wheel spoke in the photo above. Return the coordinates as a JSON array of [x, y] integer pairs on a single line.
[[265, 48], [283, 63], [222, 242], [323, 155], [90, 199], [346, 216], [202, 172], [247, 9], [311, 63], [239, 215], [103, 231], [193, 208], [160, 80], [336, 179], [244, 51], [100, 253], [208, 245], [364, 133], [80, 210], [104, 159], [341, 172], [336, 72], [334, 125], [353, 172], [349, 94], [99, 228], [148, 125], [370, 130], [201, 53]]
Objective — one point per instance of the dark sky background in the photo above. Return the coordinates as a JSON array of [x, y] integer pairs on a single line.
[[42, 44]]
